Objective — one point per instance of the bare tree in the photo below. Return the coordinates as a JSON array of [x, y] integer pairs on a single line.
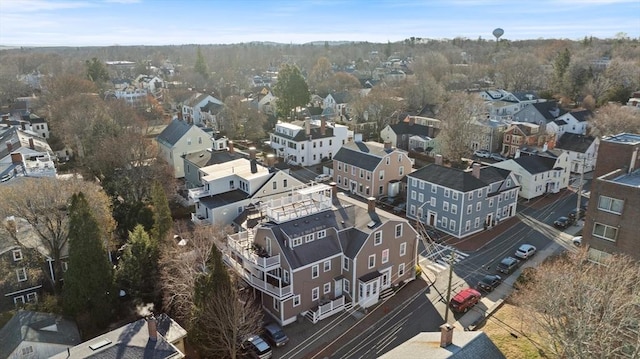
[[520, 72], [612, 119], [457, 115], [585, 310], [43, 203]]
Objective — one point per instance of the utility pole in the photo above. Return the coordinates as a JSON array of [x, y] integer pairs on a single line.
[[451, 261], [579, 202]]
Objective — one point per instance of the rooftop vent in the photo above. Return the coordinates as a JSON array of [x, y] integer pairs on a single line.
[[99, 344]]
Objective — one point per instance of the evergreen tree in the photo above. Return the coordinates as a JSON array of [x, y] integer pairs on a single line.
[[201, 65], [88, 283], [291, 89], [162, 220], [138, 270], [560, 66], [96, 71]]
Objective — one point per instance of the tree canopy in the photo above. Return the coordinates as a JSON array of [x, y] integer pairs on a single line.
[[292, 91], [138, 268]]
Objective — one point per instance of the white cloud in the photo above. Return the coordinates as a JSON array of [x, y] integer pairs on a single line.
[[20, 6]]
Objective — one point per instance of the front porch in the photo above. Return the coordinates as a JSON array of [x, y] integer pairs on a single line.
[[327, 308]]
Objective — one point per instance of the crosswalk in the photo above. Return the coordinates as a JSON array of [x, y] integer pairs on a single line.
[[438, 258]]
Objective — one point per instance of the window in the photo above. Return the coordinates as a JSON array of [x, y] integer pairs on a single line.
[[467, 225], [27, 350], [21, 273], [339, 179], [398, 230], [470, 196], [400, 269], [372, 261], [377, 238], [452, 225], [339, 166], [308, 238], [508, 183], [345, 263], [297, 241], [314, 271], [284, 183], [322, 234], [413, 195], [315, 293], [479, 193], [412, 210], [433, 202], [478, 206], [454, 195], [445, 221], [32, 297], [361, 173], [18, 300], [326, 288], [296, 300], [276, 304], [387, 160], [447, 192], [454, 209], [491, 202], [433, 189], [346, 285], [17, 255], [381, 174], [401, 171], [285, 276], [609, 204], [421, 185], [353, 170], [477, 223], [380, 190], [469, 209], [414, 182], [420, 197], [605, 232], [445, 206], [327, 266], [385, 256], [346, 167]]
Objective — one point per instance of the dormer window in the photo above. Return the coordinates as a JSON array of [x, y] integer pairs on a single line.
[[322, 234], [17, 255]]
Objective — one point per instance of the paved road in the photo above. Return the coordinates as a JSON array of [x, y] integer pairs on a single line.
[[425, 312]]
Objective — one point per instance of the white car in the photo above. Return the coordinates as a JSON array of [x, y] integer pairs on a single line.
[[323, 177], [525, 251], [577, 241]]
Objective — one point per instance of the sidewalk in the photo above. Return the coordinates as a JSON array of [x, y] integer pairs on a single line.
[[493, 300]]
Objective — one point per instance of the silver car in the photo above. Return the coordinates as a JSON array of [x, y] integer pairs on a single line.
[[525, 251]]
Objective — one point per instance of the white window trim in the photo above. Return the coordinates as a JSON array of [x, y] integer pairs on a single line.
[[326, 266], [593, 232], [398, 226], [371, 264], [403, 249], [385, 259], [345, 263], [22, 271], [17, 255], [326, 288], [400, 269], [296, 298], [315, 293], [377, 238], [315, 269]]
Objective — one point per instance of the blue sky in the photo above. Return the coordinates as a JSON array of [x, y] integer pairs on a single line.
[[164, 22]]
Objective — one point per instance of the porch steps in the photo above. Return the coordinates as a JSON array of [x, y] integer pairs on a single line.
[[309, 315], [386, 294]]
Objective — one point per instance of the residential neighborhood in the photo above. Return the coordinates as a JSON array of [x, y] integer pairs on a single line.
[[418, 198]]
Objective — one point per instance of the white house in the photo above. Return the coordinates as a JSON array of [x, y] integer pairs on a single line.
[[338, 102], [180, 138], [229, 188], [195, 108], [575, 122], [582, 151], [308, 142], [538, 175]]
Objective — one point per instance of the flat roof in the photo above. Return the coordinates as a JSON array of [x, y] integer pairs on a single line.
[[630, 138], [629, 179]]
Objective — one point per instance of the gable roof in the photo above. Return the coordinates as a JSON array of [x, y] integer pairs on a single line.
[[365, 155], [37, 327], [452, 178], [352, 241], [491, 174], [404, 128], [549, 110], [574, 142], [174, 132], [581, 115], [340, 97], [465, 345], [207, 157], [535, 164]]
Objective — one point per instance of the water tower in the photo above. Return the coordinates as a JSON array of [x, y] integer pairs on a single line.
[[497, 33]]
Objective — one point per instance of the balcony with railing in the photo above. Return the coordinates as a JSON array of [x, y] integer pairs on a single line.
[[199, 219], [242, 244], [302, 202], [196, 193]]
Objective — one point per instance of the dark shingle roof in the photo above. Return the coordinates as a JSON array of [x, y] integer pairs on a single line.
[[352, 241], [574, 142], [453, 178], [560, 122], [174, 132], [29, 326], [340, 97], [581, 115], [357, 158], [207, 158], [311, 252], [536, 164], [491, 174], [404, 128], [549, 110]]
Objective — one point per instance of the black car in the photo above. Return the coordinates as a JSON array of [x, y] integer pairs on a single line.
[[275, 334], [507, 265], [489, 282], [563, 222], [577, 214]]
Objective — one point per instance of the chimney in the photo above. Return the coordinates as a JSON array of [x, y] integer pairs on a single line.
[[387, 145], [254, 165], [323, 126], [334, 190], [152, 325], [439, 160], [9, 147], [16, 157], [357, 137], [412, 120], [24, 126], [371, 204], [307, 127], [475, 171], [446, 335], [31, 145], [271, 159], [230, 146], [252, 153], [517, 155]]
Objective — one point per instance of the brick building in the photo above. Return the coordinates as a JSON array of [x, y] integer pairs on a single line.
[[614, 208]]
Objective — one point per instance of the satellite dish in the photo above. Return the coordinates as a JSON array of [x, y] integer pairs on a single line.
[[497, 33]]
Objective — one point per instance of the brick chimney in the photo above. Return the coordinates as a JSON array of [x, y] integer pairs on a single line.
[[152, 325], [252, 153], [230, 146], [254, 165], [16, 157], [31, 144], [307, 127], [323, 126], [334, 190], [9, 147], [446, 335], [439, 160], [387, 145], [271, 159], [371, 204], [475, 170]]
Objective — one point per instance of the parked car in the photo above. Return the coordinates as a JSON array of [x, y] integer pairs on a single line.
[[323, 177], [525, 251], [489, 282], [497, 157], [482, 153], [508, 265], [402, 207], [577, 241], [577, 214], [275, 334], [563, 222], [464, 300], [256, 347]]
